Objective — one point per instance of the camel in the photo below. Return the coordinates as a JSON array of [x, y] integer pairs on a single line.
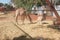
[[23, 13]]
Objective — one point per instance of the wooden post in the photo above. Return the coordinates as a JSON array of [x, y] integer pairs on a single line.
[[52, 8]]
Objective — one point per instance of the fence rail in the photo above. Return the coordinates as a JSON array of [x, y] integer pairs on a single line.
[[41, 10]]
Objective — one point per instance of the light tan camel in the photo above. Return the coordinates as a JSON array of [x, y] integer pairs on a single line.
[[23, 13]]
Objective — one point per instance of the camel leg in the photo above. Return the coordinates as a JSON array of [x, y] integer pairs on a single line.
[[29, 18], [17, 17], [23, 18], [44, 17]]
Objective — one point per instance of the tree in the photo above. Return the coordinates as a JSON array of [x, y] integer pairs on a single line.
[[1, 4], [58, 2], [26, 3], [8, 7]]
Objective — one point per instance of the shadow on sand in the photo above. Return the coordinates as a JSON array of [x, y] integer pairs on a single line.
[[23, 37], [56, 27]]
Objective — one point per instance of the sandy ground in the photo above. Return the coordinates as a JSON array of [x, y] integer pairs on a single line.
[[10, 29]]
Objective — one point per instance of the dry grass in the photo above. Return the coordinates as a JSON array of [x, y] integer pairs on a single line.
[[9, 30]]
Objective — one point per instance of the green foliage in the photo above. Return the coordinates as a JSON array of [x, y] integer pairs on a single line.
[[8, 7], [27, 3], [58, 3], [1, 4]]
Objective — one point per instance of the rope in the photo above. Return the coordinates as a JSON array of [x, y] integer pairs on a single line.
[[22, 30]]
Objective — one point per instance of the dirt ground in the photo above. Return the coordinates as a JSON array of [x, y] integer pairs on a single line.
[[9, 29]]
